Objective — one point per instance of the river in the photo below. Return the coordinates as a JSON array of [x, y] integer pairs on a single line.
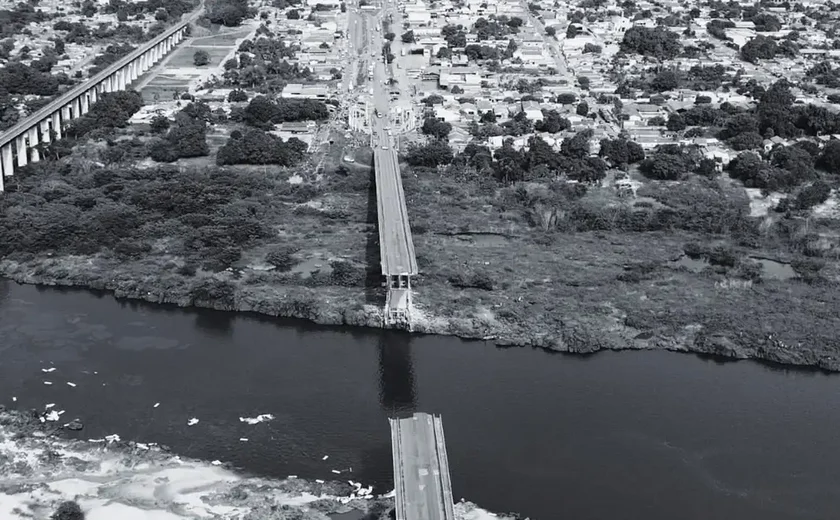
[[624, 435]]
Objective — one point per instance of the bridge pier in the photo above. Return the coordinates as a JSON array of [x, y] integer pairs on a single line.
[[19, 144]]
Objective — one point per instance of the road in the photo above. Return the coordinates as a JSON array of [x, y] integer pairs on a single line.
[[421, 469], [551, 43], [395, 242]]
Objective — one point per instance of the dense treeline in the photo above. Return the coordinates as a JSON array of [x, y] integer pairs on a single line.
[[206, 216], [257, 147], [262, 112]]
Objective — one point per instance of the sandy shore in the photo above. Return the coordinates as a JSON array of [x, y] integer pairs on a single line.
[[114, 479]]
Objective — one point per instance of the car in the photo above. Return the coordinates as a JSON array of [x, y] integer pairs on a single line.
[[384, 147], [389, 133]]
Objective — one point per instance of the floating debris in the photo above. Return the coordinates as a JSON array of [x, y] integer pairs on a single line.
[[14, 399], [52, 416], [48, 370], [192, 422], [243, 439], [336, 472], [71, 384], [325, 457], [112, 438], [319, 481], [216, 463], [292, 477], [50, 405], [258, 419], [141, 445], [47, 383], [156, 405]]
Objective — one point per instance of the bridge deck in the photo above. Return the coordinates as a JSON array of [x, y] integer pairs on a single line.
[[396, 247], [421, 469]]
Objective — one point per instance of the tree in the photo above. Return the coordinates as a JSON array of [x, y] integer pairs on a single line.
[[431, 100], [566, 99], [591, 48], [663, 167], [830, 157], [229, 13], [665, 80], [552, 122], [59, 46], [621, 151], [68, 511], [675, 123], [550, 31], [436, 128], [582, 108], [237, 96], [390, 36], [408, 37], [657, 42], [159, 124], [746, 141], [293, 14], [258, 147], [577, 146], [759, 48], [433, 154], [201, 58]]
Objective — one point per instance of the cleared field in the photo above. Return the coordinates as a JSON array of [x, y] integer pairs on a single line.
[[178, 73]]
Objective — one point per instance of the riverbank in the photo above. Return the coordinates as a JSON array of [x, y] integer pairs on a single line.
[[582, 303], [43, 471], [518, 265]]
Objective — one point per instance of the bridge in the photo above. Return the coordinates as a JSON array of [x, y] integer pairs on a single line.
[[396, 247], [421, 469], [20, 144]]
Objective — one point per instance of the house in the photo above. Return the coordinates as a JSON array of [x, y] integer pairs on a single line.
[[532, 110], [299, 91]]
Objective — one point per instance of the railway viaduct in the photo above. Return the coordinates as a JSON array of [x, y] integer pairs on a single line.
[[20, 144]]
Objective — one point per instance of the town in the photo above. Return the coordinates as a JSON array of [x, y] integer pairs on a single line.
[[419, 186]]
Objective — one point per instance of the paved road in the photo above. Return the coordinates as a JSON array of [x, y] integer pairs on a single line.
[[395, 242], [421, 474], [551, 43]]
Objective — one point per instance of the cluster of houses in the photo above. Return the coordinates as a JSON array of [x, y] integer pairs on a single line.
[[584, 66]]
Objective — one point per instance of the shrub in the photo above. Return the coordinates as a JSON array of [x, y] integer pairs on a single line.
[[201, 58], [282, 258], [68, 511]]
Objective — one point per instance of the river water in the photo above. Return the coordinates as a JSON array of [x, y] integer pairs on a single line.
[[630, 435]]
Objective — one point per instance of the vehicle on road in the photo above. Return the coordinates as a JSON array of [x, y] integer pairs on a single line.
[[384, 147]]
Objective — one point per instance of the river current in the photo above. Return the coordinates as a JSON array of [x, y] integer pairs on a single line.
[[626, 435]]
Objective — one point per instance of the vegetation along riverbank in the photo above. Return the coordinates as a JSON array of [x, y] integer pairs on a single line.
[[508, 251]]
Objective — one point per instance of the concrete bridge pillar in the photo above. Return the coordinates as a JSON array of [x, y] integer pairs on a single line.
[[120, 74], [33, 144], [77, 108], [132, 71], [65, 113], [56, 124], [93, 94], [45, 131], [8, 160], [83, 103], [20, 146]]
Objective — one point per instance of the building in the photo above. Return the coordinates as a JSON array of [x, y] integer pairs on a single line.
[[299, 91]]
